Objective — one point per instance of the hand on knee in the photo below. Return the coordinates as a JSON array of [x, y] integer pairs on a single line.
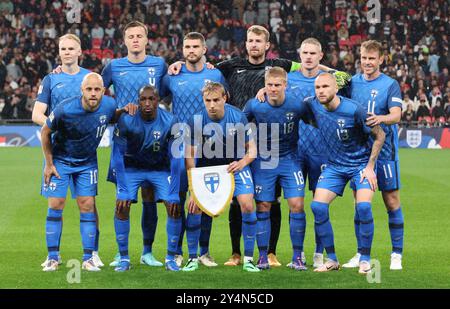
[[123, 214]]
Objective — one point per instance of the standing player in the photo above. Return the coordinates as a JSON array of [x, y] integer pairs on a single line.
[[245, 76], [226, 122], [70, 137], [312, 154], [143, 155], [128, 75], [342, 123], [187, 100], [58, 87], [380, 95], [281, 113]]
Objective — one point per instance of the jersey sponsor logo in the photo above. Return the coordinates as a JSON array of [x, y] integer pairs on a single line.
[[123, 73], [182, 83], [294, 87], [102, 119], [414, 138], [156, 134], [59, 86], [240, 71]]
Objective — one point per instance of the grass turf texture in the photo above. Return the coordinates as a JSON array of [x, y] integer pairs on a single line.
[[425, 196]]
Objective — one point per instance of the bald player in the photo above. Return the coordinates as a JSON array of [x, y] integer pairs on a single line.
[[70, 137], [343, 125]]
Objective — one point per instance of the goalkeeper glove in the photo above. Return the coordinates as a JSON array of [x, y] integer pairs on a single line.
[[342, 78]]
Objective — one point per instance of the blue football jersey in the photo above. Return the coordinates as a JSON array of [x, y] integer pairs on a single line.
[[215, 136], [55, 88], [309, 137], [284, 118], [128, 77], [77, 132], [186, 89], [378, 96], [344, 131], [146, 143]]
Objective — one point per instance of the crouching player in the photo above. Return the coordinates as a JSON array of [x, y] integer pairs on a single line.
[[281, 113], [342, 123], [70, 137], [143, 156], [218, 126]]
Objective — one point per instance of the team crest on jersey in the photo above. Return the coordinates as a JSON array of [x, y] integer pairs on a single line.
[[211, 181], [102, 119], [258, 189], [51, 186], [341, 123], [373, 93], [156, 134], [289, 116], [151, 71]]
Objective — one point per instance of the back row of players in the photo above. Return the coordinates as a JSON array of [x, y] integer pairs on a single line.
[[141, 155]]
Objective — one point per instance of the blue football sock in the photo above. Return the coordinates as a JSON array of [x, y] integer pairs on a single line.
[[149, 222], [297, 226], [263, 232], [193, 226], [53, 229], [319, 247], [249, 232], [205, 233], [173, 228], [88, 230], [366, 229], [183, 227], [122, 228], [322, 227], [396, 229], [357, 222]]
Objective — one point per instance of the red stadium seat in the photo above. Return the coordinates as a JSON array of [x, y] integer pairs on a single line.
[[355, 39], [107, 53], [98, 52]]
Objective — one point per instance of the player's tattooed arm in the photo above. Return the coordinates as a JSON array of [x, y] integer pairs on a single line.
[[394, 117], [369, 172], [49, 169]]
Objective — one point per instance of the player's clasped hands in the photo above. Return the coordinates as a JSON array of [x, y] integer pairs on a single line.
[[371, 177], [50, 170]]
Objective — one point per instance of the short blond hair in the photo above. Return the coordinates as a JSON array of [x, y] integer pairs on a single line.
[[213, 87], [373, 45], [70, 36], [312, 41], [276, 72], [258, 30]]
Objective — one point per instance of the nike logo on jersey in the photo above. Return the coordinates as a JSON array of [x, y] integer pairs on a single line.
[[294, 87], [182, 83], [240, 71], [122, 73], [59, 86]]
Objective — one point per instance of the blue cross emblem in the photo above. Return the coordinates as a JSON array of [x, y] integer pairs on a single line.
[[211, 181]]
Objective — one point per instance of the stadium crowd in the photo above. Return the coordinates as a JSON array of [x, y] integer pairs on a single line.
[[414, 35]]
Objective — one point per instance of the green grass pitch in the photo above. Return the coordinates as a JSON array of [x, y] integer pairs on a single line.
[[426, 205]]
